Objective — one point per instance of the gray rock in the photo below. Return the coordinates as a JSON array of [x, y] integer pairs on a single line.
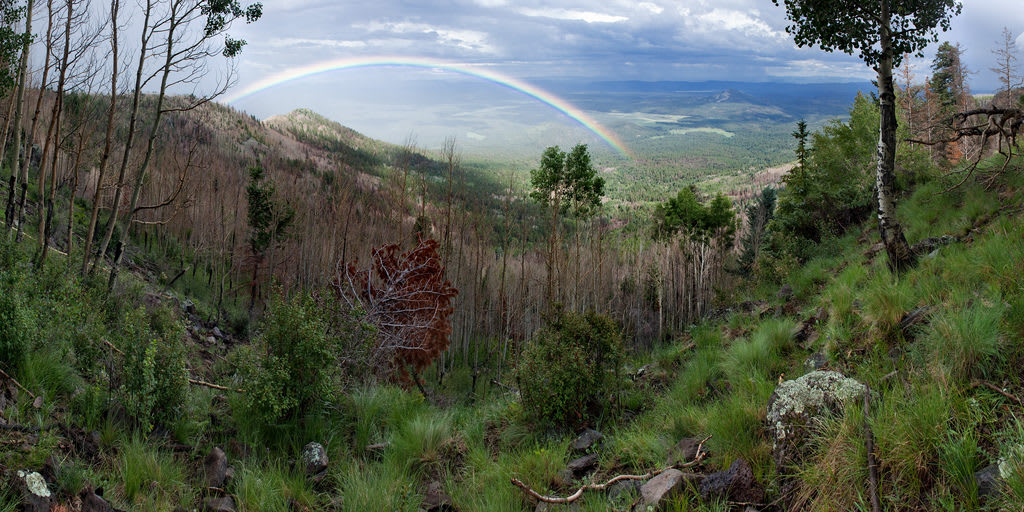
[[217, 332], [222, 504], [216, 466], [660, 488], [684, 451], [188, 307], [435, 499], [35, 495], [586, 440], [314, 458], [211, 340], [583, 464], [796, 404], [734, 484], [989, 481]]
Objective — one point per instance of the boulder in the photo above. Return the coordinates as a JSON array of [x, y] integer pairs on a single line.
[[435, 499], [795, 405], [314, 458], [216, 466], [586, 440], [222, 504], [989, 481], [35, 495], [734, 484], [582, 465], [217, 332], [660, 488], [684, 451], [92, 500]]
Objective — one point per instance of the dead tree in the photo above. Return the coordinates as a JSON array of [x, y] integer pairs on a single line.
[[981, 124]]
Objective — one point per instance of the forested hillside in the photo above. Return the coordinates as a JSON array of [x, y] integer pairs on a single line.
[[200, 310]]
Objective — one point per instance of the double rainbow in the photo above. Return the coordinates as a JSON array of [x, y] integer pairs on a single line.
[[515, 84]]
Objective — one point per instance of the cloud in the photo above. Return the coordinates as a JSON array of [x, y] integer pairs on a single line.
[[465, 39], [282, 42], [574, 15]]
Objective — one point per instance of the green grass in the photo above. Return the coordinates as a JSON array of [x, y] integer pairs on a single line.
[[151, 479]]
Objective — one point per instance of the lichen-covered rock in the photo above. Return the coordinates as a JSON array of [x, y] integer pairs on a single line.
[[35, 494], [795, 404], [314, 458]]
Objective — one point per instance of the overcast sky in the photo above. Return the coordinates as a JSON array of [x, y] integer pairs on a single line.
[[580, 39]]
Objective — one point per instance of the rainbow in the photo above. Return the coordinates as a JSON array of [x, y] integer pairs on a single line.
[[515, 84]]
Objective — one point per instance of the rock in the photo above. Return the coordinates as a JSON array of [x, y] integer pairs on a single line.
[[35, 495], [911, 319], [188, 307], [314, 458], [734, 484], [815, 361], [92, 500], [684, 451], [211, 340], [583, 464], [989, 481], [796, 404], [217, 333], [660, 488], [222, 504], [623, 487], [586, 440], [785, 292], [806, 333], [216, 466], [435, 499]]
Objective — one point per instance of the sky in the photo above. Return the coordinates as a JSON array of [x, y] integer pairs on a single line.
[[585, 40]]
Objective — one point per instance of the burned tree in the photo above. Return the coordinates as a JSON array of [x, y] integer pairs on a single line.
[[407, 298]]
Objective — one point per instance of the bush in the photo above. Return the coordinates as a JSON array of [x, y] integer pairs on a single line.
[[292, 364], [566, 373], [155, 376], [15, 324]]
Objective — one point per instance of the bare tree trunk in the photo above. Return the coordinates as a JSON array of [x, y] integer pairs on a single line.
[[97, 200], [900, 255], [15, 159], [147, 34]]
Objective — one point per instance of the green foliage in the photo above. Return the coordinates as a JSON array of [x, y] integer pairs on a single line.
[[151, 479], [947, 79], [268, 219], [155, 376], [16, 321], [759, 216], [567, 182], [292, 365], [567, 371], [959, 459], [687, 214], [854, 27], [834, 189]]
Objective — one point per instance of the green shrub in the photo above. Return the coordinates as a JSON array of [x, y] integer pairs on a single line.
[[566, 371], [15, 324], [155, 375], [292, 364]]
